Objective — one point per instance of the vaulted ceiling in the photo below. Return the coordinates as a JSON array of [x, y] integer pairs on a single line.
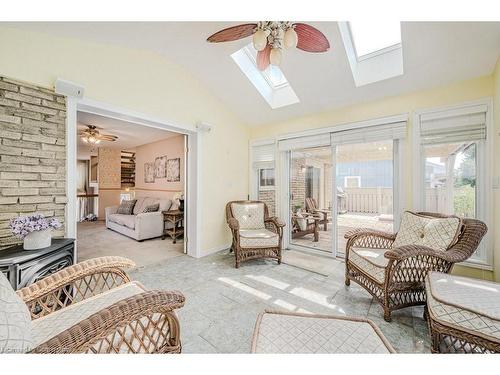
[[434, 53]]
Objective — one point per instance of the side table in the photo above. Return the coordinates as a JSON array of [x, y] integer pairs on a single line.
[[175, 218]]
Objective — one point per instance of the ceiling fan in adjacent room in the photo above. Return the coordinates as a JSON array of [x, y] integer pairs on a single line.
[[271, 37], [91, 135]]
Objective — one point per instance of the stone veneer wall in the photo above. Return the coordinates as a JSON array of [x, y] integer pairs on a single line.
[[33, 154]]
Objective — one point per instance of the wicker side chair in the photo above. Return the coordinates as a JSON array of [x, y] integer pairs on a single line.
[[263, 239], [397, 279], [93, 307]]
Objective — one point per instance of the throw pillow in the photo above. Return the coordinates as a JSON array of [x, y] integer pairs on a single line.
[[151, 208], [250, 216], [126, 207], [436, 233], [15, 321]]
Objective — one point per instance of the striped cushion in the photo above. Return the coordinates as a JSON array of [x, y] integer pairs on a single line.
[[151, 208], [126, 207]]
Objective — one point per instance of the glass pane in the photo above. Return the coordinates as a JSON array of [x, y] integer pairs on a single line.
[[450, 179], [267, 192], [310, 198], [364, 178]]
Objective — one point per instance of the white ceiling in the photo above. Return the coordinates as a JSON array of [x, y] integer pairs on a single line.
[[128, 136], [434, 53]]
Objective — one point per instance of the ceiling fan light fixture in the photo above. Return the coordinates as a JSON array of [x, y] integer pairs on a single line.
[[275, 56], [260, 40]]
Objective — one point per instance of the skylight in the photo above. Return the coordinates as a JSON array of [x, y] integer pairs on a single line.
[[374, 50], [271, 83], [374, 36]]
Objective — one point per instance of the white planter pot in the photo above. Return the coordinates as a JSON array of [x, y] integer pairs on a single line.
[[37, 240]]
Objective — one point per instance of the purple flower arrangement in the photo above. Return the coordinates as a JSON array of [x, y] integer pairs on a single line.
[[24, 225]]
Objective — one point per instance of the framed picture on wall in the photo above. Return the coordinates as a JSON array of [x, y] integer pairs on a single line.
[[161, 167], [149, 172], [174, 170]]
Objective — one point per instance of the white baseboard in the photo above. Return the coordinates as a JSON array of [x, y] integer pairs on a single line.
[[215, 250]]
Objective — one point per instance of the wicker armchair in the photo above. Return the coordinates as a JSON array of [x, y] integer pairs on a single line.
[[93, 307], [397, 280], [255, 234]]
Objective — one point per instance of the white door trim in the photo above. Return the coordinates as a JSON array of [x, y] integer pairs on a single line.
[[193, 196]]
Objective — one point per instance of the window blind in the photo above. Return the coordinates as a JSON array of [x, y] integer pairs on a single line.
[[318, 140], [453, 126], [375, 133], [263, 156]]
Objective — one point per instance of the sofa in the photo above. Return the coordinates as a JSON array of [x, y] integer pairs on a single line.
[[140, 225]]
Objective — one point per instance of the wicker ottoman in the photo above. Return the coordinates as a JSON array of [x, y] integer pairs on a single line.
[[281, 332], [463, 314]]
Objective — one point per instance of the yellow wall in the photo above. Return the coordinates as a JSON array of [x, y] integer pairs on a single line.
[[145, 82], [448, 95]]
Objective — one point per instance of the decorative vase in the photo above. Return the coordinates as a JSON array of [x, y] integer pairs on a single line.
[[37, 240]]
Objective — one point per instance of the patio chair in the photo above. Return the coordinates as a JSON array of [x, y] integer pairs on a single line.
[[312, 226], [92, 307], [395, 275], [255, 234], [324, 214]]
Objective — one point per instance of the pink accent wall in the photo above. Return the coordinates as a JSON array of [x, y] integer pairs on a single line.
[[173, 148]]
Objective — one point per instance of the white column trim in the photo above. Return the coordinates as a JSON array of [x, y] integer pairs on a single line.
[[193, 195]]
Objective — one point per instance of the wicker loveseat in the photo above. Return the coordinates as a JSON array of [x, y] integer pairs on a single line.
[[255, 234], [93, 307], [395, 276]]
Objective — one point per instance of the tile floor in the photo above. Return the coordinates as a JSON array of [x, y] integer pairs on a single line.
[[222, 303], [95, 240]]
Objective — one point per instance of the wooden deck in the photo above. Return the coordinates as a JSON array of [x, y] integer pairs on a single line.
[[346, 222]]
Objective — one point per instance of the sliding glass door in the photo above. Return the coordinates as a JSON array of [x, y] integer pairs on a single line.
[[310, 198], [340, 181], [364, 182]]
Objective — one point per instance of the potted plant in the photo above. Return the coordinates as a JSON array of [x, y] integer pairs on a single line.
[[34, 230]]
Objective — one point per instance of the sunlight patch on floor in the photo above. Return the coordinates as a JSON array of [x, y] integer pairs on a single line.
[[245, 288], [269, 281], [315, 297]]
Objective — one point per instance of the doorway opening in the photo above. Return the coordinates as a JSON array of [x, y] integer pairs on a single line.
[[130, 190]]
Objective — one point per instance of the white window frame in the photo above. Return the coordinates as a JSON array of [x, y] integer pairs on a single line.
[[484, 157], [254, 180], [268, 187]]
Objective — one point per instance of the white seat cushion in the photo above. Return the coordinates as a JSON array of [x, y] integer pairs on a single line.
[[249, 215], [125, 220], [15, 320], [436, 233], [371, 261], [467, 304], [53, 324], [258, 238], [294, 333]]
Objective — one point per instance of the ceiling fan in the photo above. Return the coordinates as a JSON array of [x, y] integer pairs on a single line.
[[271, 37], [91, 135]]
